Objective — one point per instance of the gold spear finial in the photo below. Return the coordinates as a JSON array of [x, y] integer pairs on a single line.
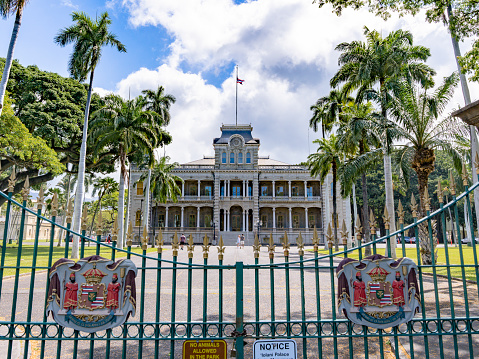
[[69, 212], [40, 199], [300, 245], [144, 239], [114, 231], [159, 241], [386, 218], [206, 246], [26, 189], [427, 202], [476, 163], [440, 192], [400, 213], [315, 239], [358, 229], [11, 181], [329, 236], [372, 221], [271, 247], [221, 249], [99, 224], [129, 235], [191, 246], [54, 204], [344, 233], [256, 246], [286, 244], [175, 245], [464, 174], [413, 206], [84, 217]]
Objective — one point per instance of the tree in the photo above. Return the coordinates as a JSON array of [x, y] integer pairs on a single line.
[[10, 7], [326, 111], [328, 158], [130, 130], [89, 38], [373, 68], [103, 186], [416, 111], [164, 184]]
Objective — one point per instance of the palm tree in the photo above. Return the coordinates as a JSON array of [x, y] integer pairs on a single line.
[[102, 186], [129, 129], [10, 7], [164, 184], [326, 111], [89, 38], [373, 68], [416, 111], [328, 158]]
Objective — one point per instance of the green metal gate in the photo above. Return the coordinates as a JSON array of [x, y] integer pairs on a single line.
[[286, 291]]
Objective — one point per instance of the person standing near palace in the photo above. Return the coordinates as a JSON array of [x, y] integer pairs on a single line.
[[398, 291], [71, 293], [359, 291], [182, 241], [113, 291]]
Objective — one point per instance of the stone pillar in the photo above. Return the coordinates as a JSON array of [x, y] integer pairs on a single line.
[[290, 218], [305, 189], [306, 218], [274, 190], [289, 189], [199, 186], [198, 217], [166, 216], [244, 218], [224, 220], [274, 218], [182, 189], [228, 220], [244, 189], [227, 190], [182, 213]]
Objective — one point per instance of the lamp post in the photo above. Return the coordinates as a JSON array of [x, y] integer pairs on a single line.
[[213, 224], [259, 223], [141, 217]]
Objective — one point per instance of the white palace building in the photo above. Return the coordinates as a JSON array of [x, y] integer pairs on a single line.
[[237, 191]]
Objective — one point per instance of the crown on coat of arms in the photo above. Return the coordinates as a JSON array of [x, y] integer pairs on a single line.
[[378, 274], [93, 275]]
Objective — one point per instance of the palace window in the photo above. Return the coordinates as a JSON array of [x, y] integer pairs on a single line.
[[240, 157], [280, 221], [280, 191], [264, 221], [248, 157], [193, 191], [161, 220], [207, 220], [223, 157], [311, 221], [250, 190], [295, 190], [177, 220], [310, 191], [264, 190], [295, 221], [222, 191], [192, 220], [236, 191], [139, 188], [208, 191], [232, 157], [138, 218]]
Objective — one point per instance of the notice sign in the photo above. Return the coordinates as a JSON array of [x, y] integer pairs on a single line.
[[275, 348], [204, 349]]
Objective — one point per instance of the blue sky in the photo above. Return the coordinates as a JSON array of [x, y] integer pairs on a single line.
[[284, 49]]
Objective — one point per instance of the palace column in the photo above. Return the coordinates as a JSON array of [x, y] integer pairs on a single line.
[[305, 189], [166, 217], [199, 185], [182, 189], [289, 189], [306, 218], [182, 213], [198, 218], [244, 220], [290, 218], [274, 190], [224, 220], [227, 185], [274, 218]]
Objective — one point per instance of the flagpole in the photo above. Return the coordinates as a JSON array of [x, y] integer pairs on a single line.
[[236, 95]]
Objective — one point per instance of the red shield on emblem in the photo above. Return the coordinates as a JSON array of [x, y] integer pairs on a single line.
[[92, 296]]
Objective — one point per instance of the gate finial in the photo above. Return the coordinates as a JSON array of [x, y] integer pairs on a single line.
[[413, 206], [69, 212], [315, 239], [329, 236], [372, 221], [84, 218], [221, 249], [386, 217], [129, 235], [464, 174], [440, 192], [175, 245], [427, 201], [358, 229], [452, 184], [114, 231], [191, 246], [256, 246], [11, 181], [26, 189], [144, 239], [300, 244], [54, 204], [40, 199], [159, 241], [271, 247], [99, 223], [344, 233], [206, 246], [400, 213], [286, 244]]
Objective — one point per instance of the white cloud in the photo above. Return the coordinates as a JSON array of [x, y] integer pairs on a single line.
[[285, 50]]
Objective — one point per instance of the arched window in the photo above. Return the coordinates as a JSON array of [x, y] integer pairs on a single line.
[[232, 157], [248, 157], [240, 157], [223, 157]]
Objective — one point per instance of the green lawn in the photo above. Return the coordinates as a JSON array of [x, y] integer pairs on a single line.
[[58, 252], [454, 259]]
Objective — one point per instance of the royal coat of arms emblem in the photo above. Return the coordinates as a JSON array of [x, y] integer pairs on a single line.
[[92, 294], [377, 291]]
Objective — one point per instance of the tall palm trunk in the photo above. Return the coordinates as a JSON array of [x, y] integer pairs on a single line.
[[364, 193], [147, 201], [77, 209], [9, 58], [335, 214], [98, 206], [355, 207], [127, 216], [472, 129], [121, 209]]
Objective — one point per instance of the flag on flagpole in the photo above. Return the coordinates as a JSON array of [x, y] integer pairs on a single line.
[[238, 81]]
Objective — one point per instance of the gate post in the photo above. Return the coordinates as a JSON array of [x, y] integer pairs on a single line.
[[239, 310]]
